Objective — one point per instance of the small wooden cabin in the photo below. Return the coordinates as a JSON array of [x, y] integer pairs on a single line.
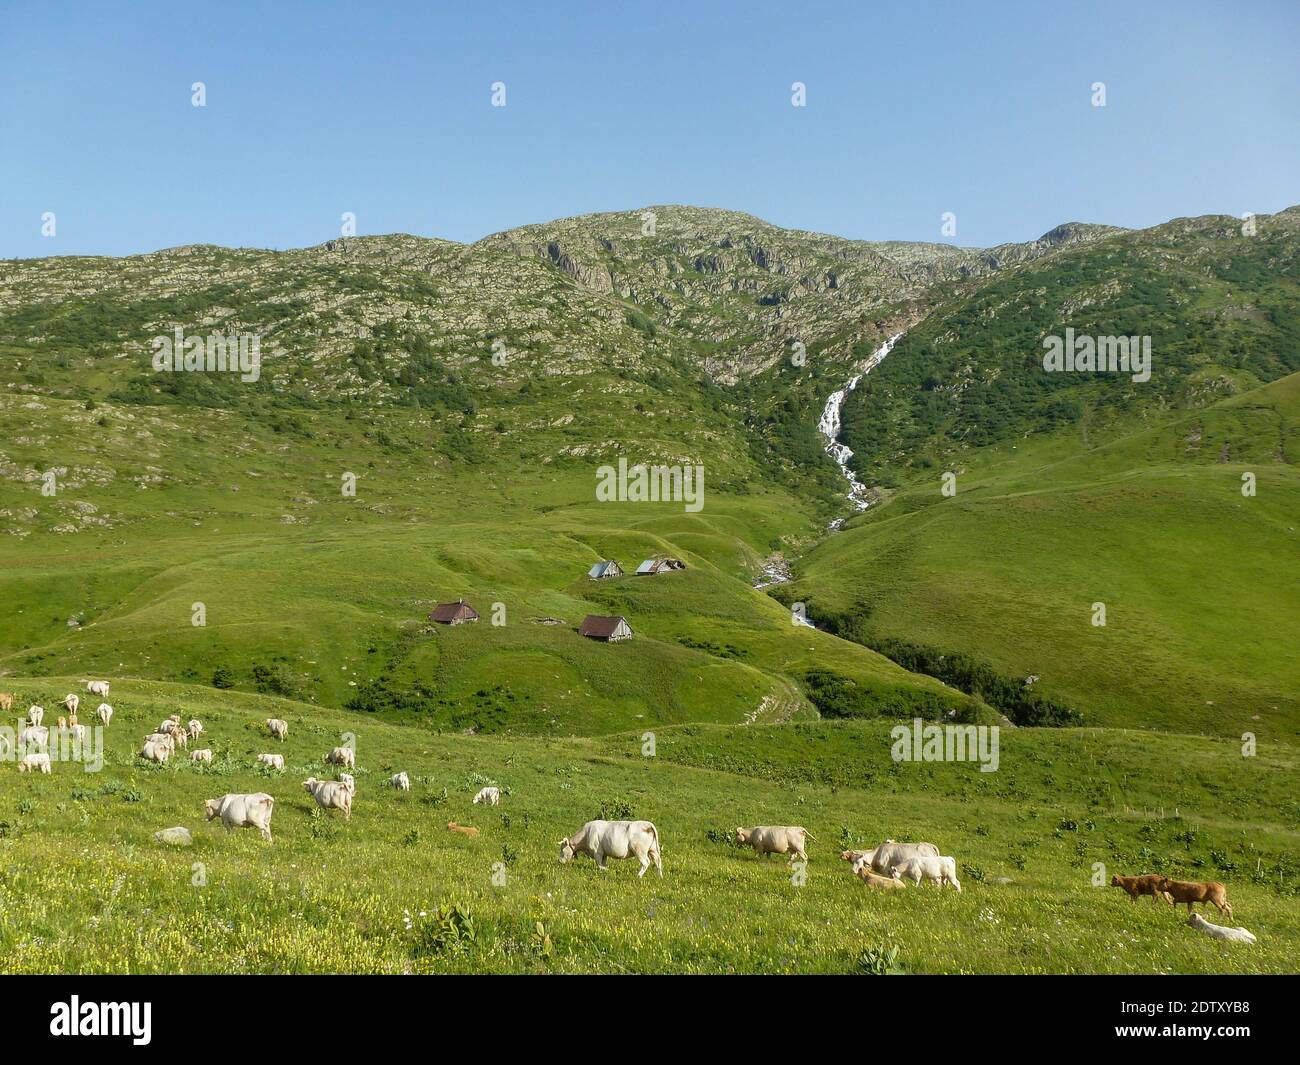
[[454, 613], [607, 629], [601, 570], [652, 566]]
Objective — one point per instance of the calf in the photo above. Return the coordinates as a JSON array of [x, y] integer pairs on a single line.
[[279, 729], [274, 761], [602, 840], [1191, 892], [1146, 884], [863, 872], [196, 729], [400, 781], [1233, 935], [30, 762], [156, 751], [941, 870], [6, 702], [464, 830], [243, 811], [777, 839], [204, 756], [491, 796]]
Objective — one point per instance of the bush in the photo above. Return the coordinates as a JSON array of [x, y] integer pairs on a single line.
[[880, 960]]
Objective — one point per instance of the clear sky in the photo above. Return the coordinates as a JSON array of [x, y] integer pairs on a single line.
[[384, 109]]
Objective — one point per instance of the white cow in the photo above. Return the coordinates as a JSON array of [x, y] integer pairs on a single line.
[[204, 755], [35, 761], [941, 870], [890, 853], [279, 729], [777, 839], [346, 780], [601, 840], [170, 725], [156, 752], [275, 761], [1218, 931], [400, 781], [71, 701], [34, 736], [243, 811], [105, 713], [196, 728], [331, 795], [342, 756], [97, 687], [491, 796], [162, 738], [35, 714], [78, 732]]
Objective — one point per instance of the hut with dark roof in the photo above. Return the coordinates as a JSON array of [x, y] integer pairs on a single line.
[[607, 629], [456, 613]]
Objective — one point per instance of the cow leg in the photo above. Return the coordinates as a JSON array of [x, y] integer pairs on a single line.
[[645, 864]]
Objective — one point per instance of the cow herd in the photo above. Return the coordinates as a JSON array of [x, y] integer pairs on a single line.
[[891, 865]]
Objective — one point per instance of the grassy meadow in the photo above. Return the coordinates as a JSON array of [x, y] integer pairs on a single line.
[[85, 888]]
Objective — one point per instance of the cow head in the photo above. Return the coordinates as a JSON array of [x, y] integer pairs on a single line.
[[1196, 920], [566, 850], [894, 873], [309, 784], [1114, 880], [210, 807], [742, 835], [1164, 884]]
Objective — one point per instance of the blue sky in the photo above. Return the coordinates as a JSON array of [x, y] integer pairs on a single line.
[[384, 110]]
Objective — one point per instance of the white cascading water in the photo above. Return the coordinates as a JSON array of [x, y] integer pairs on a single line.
[[829, 426]]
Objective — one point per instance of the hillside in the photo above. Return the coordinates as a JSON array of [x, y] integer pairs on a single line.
[[1200, 582]]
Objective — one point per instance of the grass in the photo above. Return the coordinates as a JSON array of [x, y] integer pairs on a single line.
[[84, 888]]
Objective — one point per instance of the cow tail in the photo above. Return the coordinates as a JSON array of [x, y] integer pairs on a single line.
[[810, 835]]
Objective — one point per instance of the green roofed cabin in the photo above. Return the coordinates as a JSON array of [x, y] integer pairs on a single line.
[[610, 630], [454, 613]]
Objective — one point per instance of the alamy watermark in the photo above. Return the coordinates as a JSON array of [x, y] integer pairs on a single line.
[[920, 742], [1098, 354], [651, 484], [215, 353]]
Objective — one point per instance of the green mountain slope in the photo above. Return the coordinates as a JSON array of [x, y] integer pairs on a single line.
[[1200, 583]]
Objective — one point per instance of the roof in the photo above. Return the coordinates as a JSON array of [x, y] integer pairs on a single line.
[[458, 611], [601, 568], [648, 566], [658, 565], [601, 627]]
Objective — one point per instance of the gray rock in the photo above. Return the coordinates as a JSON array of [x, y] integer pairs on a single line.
[[176, 837]]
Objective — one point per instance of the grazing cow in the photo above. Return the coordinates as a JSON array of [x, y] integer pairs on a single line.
[[105, 713], [1233, 935], [853, 857], [156, 752], [1192, 892], [71, 701], [204, 755], [164, 738], [465, 830], [279, 729], [35, 714], [491, 796], [243, 811], [602, 840], [1146, 884], [34, 736], [180, 738], [941, 870], [400, 781], [346, 780], [97, 687], [34, 761], [275, 761], [777, 839], [78, 732], [342, 756], [330, 795], [882, 859], [196, 729], [6, 702], [168, 726], [874, 880]]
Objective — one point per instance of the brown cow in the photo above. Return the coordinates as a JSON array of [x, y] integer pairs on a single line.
[[466, 830], [875, 880], [1146, 884], [1191, 892]]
